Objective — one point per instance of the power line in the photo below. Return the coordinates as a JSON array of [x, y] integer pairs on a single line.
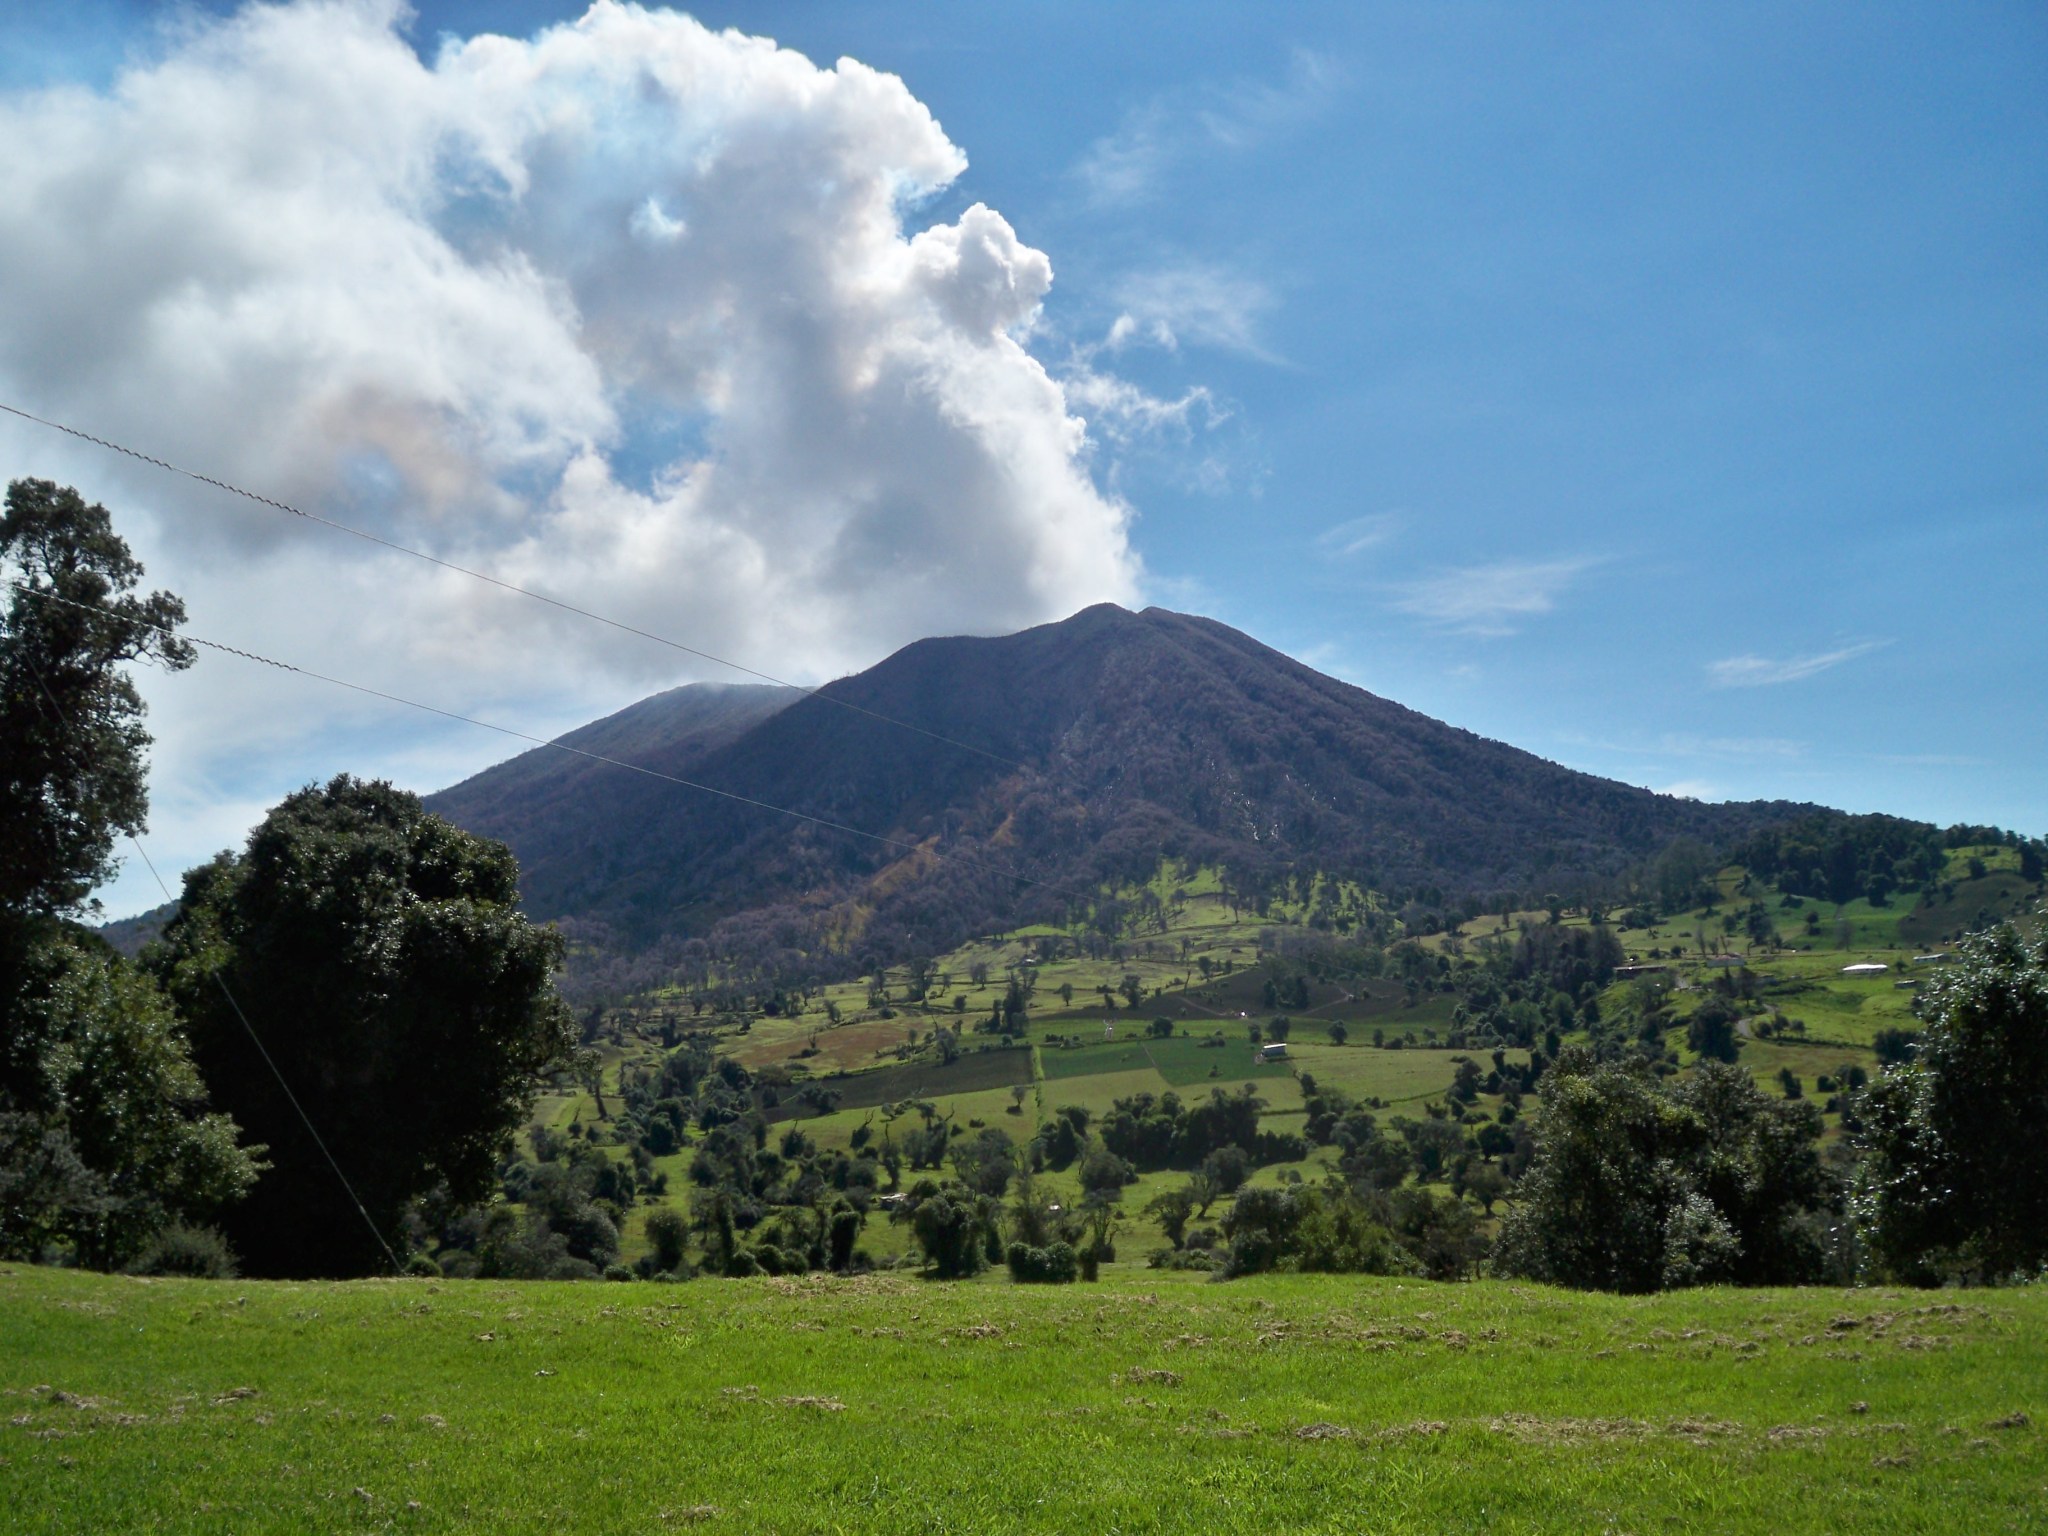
[[507, 586], [221, 982], [561, 746]]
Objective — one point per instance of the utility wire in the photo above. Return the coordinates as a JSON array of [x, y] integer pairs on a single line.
[[560, 746], [507, 586], [220, 981]]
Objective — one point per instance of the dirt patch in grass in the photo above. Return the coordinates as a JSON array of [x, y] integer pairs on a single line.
[[1325, 1432]]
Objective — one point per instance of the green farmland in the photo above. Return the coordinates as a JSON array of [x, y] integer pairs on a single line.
[[886, 1404], [1206, 968]]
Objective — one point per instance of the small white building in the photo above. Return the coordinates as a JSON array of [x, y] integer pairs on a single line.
[[1277, 1051], [1867, 968]]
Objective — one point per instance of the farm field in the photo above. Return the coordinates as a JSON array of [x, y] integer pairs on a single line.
[[1145, 1403]]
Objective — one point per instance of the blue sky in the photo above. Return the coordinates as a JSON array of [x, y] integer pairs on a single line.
[[1660, 389]]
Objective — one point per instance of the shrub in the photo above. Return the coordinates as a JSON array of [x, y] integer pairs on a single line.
[[1175, 1258], [947, 1231], [1710, 1032], [668, 1233], [1229, 1167], [1260, 1226], [422, 1266], [619, 1272], [842, 1234], [1055, 1264], [198, 1252]]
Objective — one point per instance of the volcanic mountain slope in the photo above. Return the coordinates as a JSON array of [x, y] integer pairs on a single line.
[[1076, 751], [542, 802]]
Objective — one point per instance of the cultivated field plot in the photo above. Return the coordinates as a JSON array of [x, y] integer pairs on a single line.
[[884, 1404], [1393, 1076], [1180, 1062], [972, 1072]]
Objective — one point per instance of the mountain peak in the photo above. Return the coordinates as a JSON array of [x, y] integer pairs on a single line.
[[1075, 752]]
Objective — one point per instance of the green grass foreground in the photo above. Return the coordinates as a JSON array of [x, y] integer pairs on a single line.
[[883, 1403]]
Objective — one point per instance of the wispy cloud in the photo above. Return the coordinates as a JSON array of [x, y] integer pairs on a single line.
[[1676, 744], [1126, 414], [1930, 760], [1129, 164], [1359, 534], [1189, 594], [1121, 166], [1491, 599], [1763, 671], [1192, 304], [1672, 747]]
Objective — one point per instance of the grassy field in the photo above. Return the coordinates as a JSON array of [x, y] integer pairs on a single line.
[[1147, 1403]]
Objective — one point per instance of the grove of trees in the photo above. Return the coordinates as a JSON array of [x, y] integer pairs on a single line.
[[356, 994]]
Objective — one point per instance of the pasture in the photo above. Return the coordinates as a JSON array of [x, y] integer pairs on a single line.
[[1149, 1402]]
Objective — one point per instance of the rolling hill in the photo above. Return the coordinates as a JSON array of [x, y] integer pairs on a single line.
[[1073, 753]]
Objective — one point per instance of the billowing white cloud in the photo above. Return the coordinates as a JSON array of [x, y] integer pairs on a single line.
[[1762, 671], [632, 311]]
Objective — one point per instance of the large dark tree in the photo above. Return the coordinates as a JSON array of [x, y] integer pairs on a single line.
[[1955, 1173], [71, 736], [380, 957]]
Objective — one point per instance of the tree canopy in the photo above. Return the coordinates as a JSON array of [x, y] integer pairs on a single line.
[[105, 1139], [380, 957], [1639, 1187], [71, 739], [1953, 1180]]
